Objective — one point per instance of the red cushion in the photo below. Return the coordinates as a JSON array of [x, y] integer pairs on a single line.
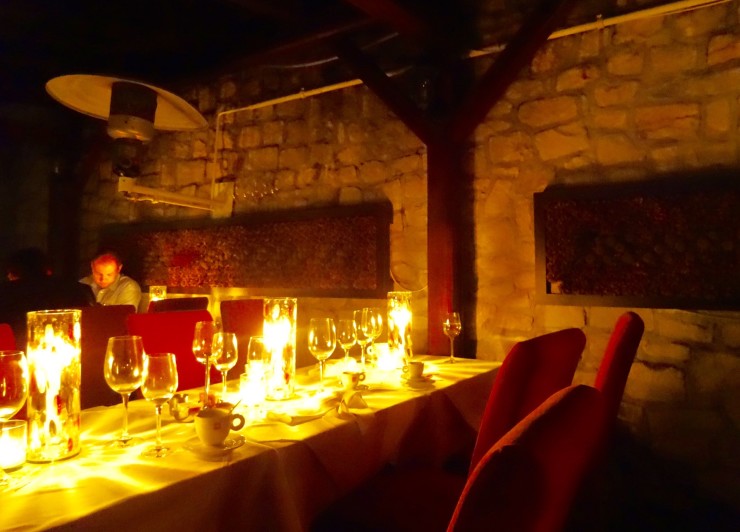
[[532, 371], [529, 479], [172, 332], [617, 361], [243, 317]]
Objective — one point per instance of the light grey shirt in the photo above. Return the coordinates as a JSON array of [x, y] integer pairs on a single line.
[[123, 291]]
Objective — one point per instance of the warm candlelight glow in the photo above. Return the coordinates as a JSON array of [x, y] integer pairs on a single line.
[[399, 328], [279, 332], [54, 394], [12, 444]]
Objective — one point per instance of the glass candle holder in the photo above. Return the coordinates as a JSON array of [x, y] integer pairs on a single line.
[[399, 327], [54, 393], [157, 292], [12, 444], [279, 336]]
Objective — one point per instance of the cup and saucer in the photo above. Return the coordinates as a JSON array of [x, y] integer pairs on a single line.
[[212, 426], [413, 375]]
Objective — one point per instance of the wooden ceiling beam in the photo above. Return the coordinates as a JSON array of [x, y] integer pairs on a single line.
[[505, 69], [386, 90], [394, 15]]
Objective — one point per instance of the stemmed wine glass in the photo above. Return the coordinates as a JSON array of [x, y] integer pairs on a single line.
[[369, 326], [322, 339], [14, 383], [374, 325], [225, 355], [363, 338], [346, 337], [124, 372], [203, 351], [160, 384], [451, 326]]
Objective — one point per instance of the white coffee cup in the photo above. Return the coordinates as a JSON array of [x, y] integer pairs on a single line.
[[352, 379], [414, 370], [212, 425]]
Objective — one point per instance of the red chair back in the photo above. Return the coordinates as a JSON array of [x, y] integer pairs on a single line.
[[528, 481], [7, 338], [617, 361], [172, 332], [532, 371], [243, 317], [178, 303], [97, 325]]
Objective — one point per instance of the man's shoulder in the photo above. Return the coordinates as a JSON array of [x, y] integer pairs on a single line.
[[125, 279]]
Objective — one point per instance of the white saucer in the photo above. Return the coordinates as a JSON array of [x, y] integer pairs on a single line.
[[418, 382], [213, 452]]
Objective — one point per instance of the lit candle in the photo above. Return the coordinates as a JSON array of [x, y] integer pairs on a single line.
[[12, 443]]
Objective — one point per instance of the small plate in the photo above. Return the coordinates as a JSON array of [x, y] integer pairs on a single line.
[[419, 382], [212, 452]]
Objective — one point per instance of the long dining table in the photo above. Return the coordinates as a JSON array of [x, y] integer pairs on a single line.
[[290, 461]]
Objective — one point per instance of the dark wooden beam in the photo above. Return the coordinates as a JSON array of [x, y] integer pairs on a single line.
[[386, 90], [284, 45], [505, 69], [395, 16]]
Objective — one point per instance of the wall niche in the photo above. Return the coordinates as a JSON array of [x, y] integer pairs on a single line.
[[672, 242], [321, 252]]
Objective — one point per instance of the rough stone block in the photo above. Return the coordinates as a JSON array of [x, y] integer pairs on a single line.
[[718, 117], [617, 149], [577, 77], [373, 172], [250, 137], [676, 121], [673, 59], [730, 332], [548, 111], [700, 21], [297, 133], [609, 118], [263, 158], [628, 63], [683, 330], [190, 172], [621, 94], [662, 351], [561, 142], [662, 384], [272, 132], [712, 374], [553, 317], [637, 31]]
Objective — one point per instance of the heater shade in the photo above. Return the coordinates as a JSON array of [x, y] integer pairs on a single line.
[[91, 95]]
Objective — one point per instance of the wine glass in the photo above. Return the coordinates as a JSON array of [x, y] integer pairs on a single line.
[[374, 325], [363, 339], [369, 326], [322, 339], [123, 369], [14, 384], [225, 355], [203, 351], [160, 384], [451, 326], [346, 337]]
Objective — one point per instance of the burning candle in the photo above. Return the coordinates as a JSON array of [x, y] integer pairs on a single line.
[[279, 333], [54, 393], [12, 444], [399, 328]]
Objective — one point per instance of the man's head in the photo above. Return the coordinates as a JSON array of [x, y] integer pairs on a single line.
[[105, 269]]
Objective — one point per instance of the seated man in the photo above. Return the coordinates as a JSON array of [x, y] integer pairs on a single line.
[[109, 285]]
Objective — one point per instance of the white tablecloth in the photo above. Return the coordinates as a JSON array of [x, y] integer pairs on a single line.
[[280, 479]]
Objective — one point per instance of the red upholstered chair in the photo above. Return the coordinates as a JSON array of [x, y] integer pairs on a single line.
[[529, 479], [172, 332], [532, 371], [615, 366], [97, 325], [178, 303], [7, 338], [243, 317]]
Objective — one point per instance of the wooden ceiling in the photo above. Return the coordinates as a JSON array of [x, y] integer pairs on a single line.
[[174, 42]]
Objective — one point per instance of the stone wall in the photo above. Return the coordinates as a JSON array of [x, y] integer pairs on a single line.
[[627, 102]]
